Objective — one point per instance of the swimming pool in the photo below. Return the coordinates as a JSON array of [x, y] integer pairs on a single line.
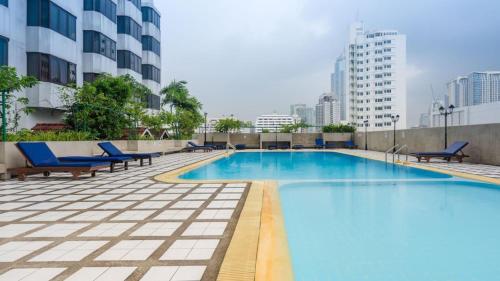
[[303, 166], [353, 219]]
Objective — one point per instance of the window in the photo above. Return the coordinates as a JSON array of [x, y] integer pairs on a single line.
[[47, 14], [4, 51], [136, 3], [129, 60], [90, 77], [98, 43], [51, 69], [153, 102], [150, 72], [4, 2], [150, 43], [126, 25], [150, 15], [105, 7]]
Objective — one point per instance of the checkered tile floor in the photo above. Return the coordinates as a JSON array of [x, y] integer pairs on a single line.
[[469, 168], [120, 226]]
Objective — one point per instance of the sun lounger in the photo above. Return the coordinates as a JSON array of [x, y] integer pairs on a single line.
[[454, 151], [40, 159], [112, 150], [112, 159]]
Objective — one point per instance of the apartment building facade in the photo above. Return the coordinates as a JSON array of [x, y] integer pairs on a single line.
[[375, 78], [474, 89], [327, 110], [69, 42]]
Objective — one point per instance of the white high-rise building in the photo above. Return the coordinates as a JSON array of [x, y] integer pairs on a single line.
[[63, 42], [274, 122], [327, 110], [305, 113], [375, 80]]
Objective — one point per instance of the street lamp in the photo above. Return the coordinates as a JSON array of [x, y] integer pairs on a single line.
[[394, 119], [366, 134], [446, 112], [205, 138]]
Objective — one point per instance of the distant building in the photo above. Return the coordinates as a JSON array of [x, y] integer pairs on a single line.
[[373, 87], [339, 84], [295, 107], [486, 113], [327, 110], [305, 113], [424, 121], [474, 89], [274, 122]]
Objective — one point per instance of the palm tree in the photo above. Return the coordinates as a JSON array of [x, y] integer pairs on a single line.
[[176, 96]]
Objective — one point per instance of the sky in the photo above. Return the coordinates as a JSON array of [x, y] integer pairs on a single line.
[[259, 56]]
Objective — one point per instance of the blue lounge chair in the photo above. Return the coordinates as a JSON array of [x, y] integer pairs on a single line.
[[112, 159], [112, 150], [297, 146], [240, 146], [320, 143], [454, 151], [193, 147], [40, 159], [350, 144]]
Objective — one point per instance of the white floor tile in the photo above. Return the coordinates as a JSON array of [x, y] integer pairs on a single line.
[[152, 205], [157, 229], [205, 229], [79, 206], [133, 215], [12, 206], [13, 251], [215, 215], [130, 250], [51, 216], [174, 215], [191, 250], [228, 196], [92, 216], [187, 204], [11, 230], [59, 230], [204, 190], [107, 230], [45, 206], [31, 274], [165, 196], [198, 196], [101, 274], [117, 205], [223, 204], [69, 251]]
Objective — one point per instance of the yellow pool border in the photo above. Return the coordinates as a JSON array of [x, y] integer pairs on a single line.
[[259, 247]]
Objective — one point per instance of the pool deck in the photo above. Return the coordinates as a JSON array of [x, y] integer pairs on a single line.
[[146, 224]]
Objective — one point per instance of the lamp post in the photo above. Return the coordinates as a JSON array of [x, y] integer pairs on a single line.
[[205, 138], [4, 116], [446, 112], [394, 119], [366, 134]]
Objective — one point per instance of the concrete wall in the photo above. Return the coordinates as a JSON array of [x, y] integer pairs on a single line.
[[484, 144], [10, 157]]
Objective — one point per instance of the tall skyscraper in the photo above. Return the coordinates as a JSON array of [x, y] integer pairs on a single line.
[[339, 84], [68, 42], [327, 110], [375, 79]]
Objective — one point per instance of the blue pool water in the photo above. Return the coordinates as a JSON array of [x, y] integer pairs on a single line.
[[303, 165], [353, 219]]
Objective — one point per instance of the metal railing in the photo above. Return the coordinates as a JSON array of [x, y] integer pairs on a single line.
[[398, 152], [389, 150]]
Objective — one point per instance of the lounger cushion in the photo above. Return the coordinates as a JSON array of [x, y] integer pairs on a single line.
[[112, 150], [116, 159], [38, 153], [450, 151], [79, 164]]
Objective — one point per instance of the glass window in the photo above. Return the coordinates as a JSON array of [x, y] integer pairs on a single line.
[[96, 42], [4, 51], [150, 72], [150, 15], [150, 43], [136, 3], [105, 7], [129, 60], [52, 69], [4, 2], [126, 25], [46, 14]]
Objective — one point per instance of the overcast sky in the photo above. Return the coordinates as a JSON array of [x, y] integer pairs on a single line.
[[259, 56]]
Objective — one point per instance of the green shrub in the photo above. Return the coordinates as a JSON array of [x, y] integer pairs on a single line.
[[27, 135], [339, 128]]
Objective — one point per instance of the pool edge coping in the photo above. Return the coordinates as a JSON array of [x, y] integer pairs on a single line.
[[259, 248], [432, 169]]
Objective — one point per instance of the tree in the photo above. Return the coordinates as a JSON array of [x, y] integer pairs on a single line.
[[293, 128], [182, 104], [13, 106], [227, 125], [157, 122], [338, 128], [106, 106]]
